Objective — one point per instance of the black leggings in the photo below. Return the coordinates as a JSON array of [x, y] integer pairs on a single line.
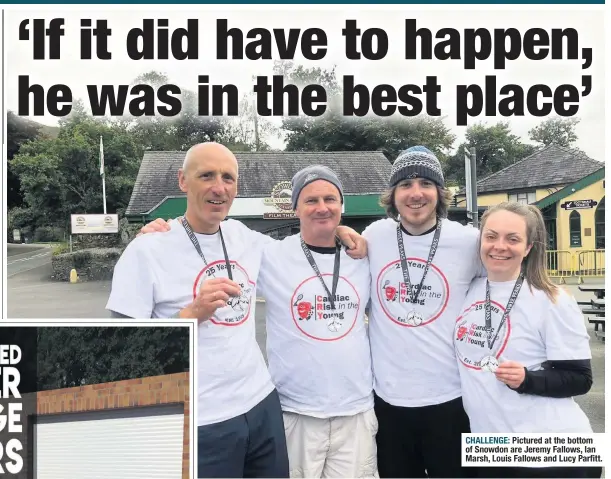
[[421, 441]]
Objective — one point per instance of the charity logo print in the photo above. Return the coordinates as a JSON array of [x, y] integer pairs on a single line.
[[304, 308], [470, 336], [395, 301], [237, 310], [314, 315]]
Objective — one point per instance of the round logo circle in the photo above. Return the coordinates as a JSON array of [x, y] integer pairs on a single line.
[[281, 196], [237, 310], [471, 337], [395, 301], [314, 315]]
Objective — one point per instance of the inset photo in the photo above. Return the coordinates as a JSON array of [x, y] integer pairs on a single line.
[[99, 400]]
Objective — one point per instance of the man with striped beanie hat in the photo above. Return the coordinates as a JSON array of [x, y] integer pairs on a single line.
[[417, 162], [421, 265]]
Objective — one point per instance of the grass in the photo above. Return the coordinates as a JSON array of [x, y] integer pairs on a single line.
[[60, 248]]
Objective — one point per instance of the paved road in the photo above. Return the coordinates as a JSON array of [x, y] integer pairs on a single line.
[[33, 295], [21, 258]]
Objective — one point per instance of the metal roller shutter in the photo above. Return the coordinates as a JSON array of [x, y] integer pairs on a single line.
[[144, 442]]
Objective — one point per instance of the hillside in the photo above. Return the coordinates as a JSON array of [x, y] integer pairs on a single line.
[[46, 130]]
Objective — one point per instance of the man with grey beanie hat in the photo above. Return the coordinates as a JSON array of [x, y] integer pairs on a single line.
[[312, 173], [421, 267], [318, 350]]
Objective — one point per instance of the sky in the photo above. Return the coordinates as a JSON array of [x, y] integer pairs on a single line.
[[394, 69]]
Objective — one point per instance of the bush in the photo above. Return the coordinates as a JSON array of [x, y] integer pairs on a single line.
[[20, 219], [61, 249], [48, 234], [92, 241], [128, 231]]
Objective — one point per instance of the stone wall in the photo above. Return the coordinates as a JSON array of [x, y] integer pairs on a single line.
[[94, 256], [92, 264], [127, 232]]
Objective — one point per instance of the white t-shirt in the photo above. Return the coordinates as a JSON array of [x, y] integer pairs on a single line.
[[319, 359], [414, 364], [535, 331], [159, 274]]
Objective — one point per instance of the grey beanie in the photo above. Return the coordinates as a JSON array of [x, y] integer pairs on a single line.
[[310, 174], [416, 162]]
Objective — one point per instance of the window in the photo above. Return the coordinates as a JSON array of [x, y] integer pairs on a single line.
[[575, 229], [599, 225], [524, 198]]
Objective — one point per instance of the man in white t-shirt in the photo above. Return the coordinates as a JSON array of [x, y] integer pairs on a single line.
[[207, 268], [317, 344], [421, 267]]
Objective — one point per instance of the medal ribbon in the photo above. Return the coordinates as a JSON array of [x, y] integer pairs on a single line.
[[512, 299], [413, 297], [193, 239], [310, 258]]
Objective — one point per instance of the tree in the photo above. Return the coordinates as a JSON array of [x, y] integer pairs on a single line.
[[334, 132], [18, 132], [248, 131], [61, 176], [93, 355], [496, 148], [176, 133], [557, 131], [301, 76]]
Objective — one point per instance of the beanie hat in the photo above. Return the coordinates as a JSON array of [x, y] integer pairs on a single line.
[[310, 174], [416, 162]]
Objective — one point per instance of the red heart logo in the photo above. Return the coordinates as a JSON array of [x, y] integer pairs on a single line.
[[461, 332], [304, 309], [390, 293]]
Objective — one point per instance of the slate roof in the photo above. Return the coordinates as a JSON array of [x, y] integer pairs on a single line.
[[361, 172], [550, 166]]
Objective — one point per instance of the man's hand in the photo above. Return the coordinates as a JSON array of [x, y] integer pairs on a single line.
[[157, 226], [356, 244], [213, 295], [511, 373]]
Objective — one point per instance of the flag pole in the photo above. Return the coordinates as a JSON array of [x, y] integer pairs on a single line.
[[102, 172]]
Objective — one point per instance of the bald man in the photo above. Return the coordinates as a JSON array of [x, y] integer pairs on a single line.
[[184, 273]]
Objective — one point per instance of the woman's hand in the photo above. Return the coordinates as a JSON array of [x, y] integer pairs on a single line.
[[511, 373]]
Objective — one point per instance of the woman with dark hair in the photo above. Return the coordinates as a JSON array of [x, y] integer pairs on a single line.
[[521, 343]]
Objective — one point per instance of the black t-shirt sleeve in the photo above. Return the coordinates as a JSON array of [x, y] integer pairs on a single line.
[[559, 379]]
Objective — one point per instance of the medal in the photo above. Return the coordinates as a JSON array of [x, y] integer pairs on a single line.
[[489, 363], [414, 318], [334, 325]]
